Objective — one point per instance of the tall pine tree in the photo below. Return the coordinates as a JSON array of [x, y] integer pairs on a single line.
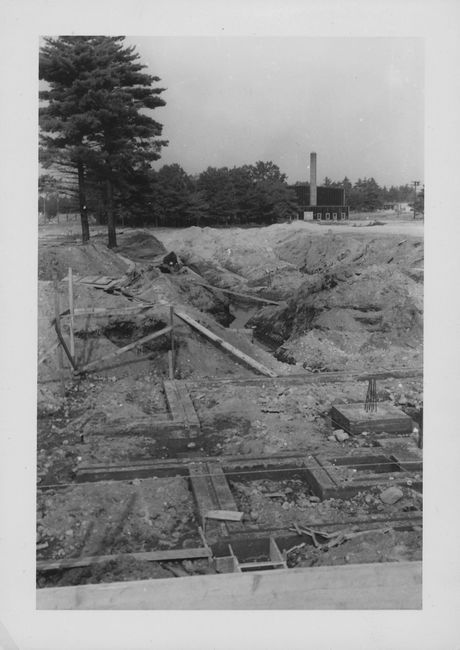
[[94, 113]]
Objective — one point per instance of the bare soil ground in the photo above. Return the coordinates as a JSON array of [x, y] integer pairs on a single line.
[[351, 298]]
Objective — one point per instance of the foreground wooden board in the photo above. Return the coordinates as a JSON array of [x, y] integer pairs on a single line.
[[394, 585]]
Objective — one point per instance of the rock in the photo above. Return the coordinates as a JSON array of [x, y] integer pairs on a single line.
[[341, 435], [286, 505], [368, 499], [391, 495], [254, 515], [314, 499], [331, 438], [69, 532], [136, 482]]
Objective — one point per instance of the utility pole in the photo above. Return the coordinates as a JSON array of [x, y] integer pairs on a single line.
[[415, 184]]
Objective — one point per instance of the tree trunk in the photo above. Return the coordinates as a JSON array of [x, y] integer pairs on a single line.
[[82, 201], [111, 215]]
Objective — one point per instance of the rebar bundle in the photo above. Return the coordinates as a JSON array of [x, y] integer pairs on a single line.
[[371, 397]]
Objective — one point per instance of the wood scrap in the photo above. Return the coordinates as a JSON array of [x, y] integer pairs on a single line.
[[224, 515]]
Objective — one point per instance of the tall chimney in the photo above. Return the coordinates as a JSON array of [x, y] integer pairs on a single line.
[[313, 179]]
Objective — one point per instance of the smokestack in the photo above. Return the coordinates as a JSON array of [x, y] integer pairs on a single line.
[[313, 179]]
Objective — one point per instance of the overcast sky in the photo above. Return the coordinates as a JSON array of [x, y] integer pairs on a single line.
[[357, 102]]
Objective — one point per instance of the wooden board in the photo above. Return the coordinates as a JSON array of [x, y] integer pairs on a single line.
[[246, 296], [224, 495], [391, 585], [310, 378], [238, 354], [353, 419], [150, 556], [181, 406], [159, 429], [187, 404], [174, 403]]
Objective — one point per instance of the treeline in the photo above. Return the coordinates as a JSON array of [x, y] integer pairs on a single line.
[[366, 195], [256, 194]]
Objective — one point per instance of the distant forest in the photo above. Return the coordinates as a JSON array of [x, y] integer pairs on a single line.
[[256, 194]]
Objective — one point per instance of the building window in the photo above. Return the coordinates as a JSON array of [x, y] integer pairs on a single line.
[[344, 215], [318, 215], [334, 215], [328, 215]]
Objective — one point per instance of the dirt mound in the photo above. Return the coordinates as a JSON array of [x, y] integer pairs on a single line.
[[89, 259], [140, 246], [345, 316], [312, 254]]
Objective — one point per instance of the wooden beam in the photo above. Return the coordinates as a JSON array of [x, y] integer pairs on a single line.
[[389, 585], [246, 296], [104, 311], [311, 378], [150, 556], [64, 345], [57, 326], [158, 429], [126, 348], [241, 356]]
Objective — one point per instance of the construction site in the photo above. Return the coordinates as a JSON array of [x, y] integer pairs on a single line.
[[231, 418]]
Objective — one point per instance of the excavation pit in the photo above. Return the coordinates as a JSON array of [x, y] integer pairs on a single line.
[[354, 419]]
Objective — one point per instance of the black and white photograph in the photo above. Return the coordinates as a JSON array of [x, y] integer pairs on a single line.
[[232, 330]]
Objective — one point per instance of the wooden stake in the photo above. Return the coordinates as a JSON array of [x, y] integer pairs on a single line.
[[72, 339], [170, 364], [172, 360], [60, 357]]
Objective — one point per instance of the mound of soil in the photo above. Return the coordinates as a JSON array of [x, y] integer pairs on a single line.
[[140, 246]]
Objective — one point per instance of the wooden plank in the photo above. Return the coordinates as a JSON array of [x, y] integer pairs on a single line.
[[187, 404], [174, 403], [126, 348], [241, 356], [121, 471], [310, 378], [383, 585], [221, 487], [107, 311], [201, 488], [320, 479], [246, 296], [224, 515], [149, 556], [64, 345], [158, 429]]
